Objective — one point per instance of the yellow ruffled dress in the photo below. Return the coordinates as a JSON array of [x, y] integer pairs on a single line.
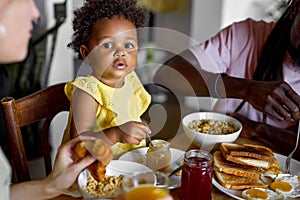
[[116, 105]]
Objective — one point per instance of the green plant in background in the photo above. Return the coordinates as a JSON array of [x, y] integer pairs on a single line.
[[32, 74]]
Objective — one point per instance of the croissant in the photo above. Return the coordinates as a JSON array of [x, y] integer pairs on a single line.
[[99, 150]]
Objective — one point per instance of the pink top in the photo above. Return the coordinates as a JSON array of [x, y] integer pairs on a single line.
[[235, 50]]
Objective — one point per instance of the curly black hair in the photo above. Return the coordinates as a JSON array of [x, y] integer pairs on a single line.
[[93, 10]]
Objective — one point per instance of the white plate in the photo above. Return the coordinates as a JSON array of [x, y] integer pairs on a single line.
[[139, 156], [237, 194], [114, 168]]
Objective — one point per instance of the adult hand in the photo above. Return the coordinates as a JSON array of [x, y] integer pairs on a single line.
[[276, 99], [67, 166]]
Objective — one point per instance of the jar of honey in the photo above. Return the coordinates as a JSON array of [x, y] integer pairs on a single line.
[[196, 177], [158, 156]]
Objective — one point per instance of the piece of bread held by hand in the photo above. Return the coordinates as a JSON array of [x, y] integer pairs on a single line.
[[99, 150]]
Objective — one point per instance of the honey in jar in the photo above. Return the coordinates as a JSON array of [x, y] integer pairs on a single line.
[[158, 156]]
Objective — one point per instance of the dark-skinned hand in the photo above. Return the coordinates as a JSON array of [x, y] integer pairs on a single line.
[[248, 130], [276, 99]]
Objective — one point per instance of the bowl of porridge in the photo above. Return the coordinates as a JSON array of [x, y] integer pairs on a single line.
[[205, 129]]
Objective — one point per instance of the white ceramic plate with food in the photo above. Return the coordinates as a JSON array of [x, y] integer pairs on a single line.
[[115, 168], [237, 194], [139, 156]]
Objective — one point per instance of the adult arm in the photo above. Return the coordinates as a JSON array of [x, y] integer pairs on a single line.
[[182, 74], [65, 171]]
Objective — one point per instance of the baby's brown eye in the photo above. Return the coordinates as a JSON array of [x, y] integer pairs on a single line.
[[107, 45], [129, 46]]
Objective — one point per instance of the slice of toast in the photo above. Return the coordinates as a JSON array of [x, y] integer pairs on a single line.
[[247, 154], [248, 150], [238, 182], [248, 161], [223, 165]]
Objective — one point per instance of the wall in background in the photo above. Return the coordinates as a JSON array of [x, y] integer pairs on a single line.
[[205, 18], [62, 66], [234, 10]]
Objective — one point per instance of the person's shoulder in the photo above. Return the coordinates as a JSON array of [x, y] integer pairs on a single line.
[[250, 20], [251, 28], [250, 23]]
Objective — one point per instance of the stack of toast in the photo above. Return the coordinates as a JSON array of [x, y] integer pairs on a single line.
[[240, 166]]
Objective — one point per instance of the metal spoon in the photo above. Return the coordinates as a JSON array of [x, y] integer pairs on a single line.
[[148, 139], [175, 171]]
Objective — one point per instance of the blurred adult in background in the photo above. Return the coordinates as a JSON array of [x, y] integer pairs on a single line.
[[256, 76], [16, 17]]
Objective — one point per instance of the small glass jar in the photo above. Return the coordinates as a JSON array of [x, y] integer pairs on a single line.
[[196, 177], [158, 156]]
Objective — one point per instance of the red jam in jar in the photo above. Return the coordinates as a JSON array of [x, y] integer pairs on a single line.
[[196, 178]]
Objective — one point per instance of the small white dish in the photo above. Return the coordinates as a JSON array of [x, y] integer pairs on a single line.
[[139, 156]]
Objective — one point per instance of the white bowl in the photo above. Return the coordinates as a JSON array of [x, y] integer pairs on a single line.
[[207, 141], [116, 168]]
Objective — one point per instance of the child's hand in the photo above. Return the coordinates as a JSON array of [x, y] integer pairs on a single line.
[[133, 132]]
